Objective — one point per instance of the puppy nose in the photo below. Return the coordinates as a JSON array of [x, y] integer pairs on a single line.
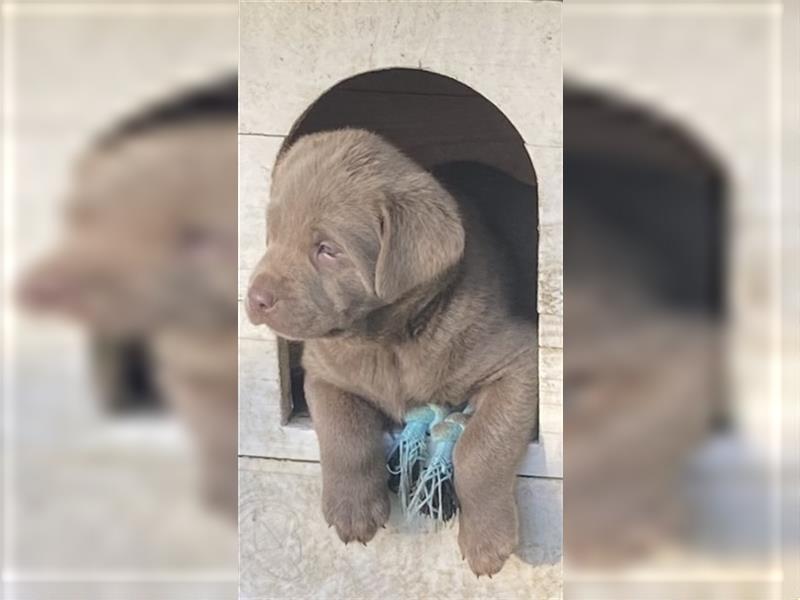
[[261, 299], [43, 291]]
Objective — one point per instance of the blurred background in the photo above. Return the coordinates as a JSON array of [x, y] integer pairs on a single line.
[[680, 300], [119, 254], [681, 274]]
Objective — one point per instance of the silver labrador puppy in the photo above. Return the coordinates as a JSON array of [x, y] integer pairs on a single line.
[[402, 298]]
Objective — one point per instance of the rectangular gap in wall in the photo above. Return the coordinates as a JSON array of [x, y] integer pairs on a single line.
[[293, 398]]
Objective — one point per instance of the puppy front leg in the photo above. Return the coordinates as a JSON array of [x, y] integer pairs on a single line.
[[486, 459], [355, 497]]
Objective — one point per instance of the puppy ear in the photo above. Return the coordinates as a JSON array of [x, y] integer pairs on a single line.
[[421, 236]]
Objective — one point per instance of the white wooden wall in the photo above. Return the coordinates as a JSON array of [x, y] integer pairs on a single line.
[[291, 53]]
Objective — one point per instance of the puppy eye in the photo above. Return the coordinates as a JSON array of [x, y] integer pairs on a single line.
[[327, 250]]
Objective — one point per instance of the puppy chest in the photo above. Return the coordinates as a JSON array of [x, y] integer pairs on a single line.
[[393, 379]]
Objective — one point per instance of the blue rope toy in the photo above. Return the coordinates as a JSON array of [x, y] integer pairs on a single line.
[[421, 476]]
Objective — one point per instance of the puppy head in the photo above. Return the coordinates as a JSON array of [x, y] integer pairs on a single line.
[[353, 225], [149, 235]]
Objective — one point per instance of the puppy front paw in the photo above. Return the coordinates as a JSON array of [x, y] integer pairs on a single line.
[[486, 543], [356, 511]]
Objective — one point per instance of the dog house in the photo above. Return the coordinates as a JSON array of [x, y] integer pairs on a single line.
[[475, 86]]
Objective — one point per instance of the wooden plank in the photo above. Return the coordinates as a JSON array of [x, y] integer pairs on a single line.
[[256, 157], [297, 441], [551, 243], [520, 71], [551, 391], [243, 280], [288, 551], [259, 396], [551, 419], [551, 363], [544, 458], [549, 166], [551, 290], [551, 331], [551, 271]]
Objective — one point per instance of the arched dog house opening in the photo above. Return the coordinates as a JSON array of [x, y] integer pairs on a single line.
[[651, 188], [457, 134]]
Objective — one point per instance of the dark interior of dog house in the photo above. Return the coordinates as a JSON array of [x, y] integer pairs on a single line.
[[457, 134], [124, 376]]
